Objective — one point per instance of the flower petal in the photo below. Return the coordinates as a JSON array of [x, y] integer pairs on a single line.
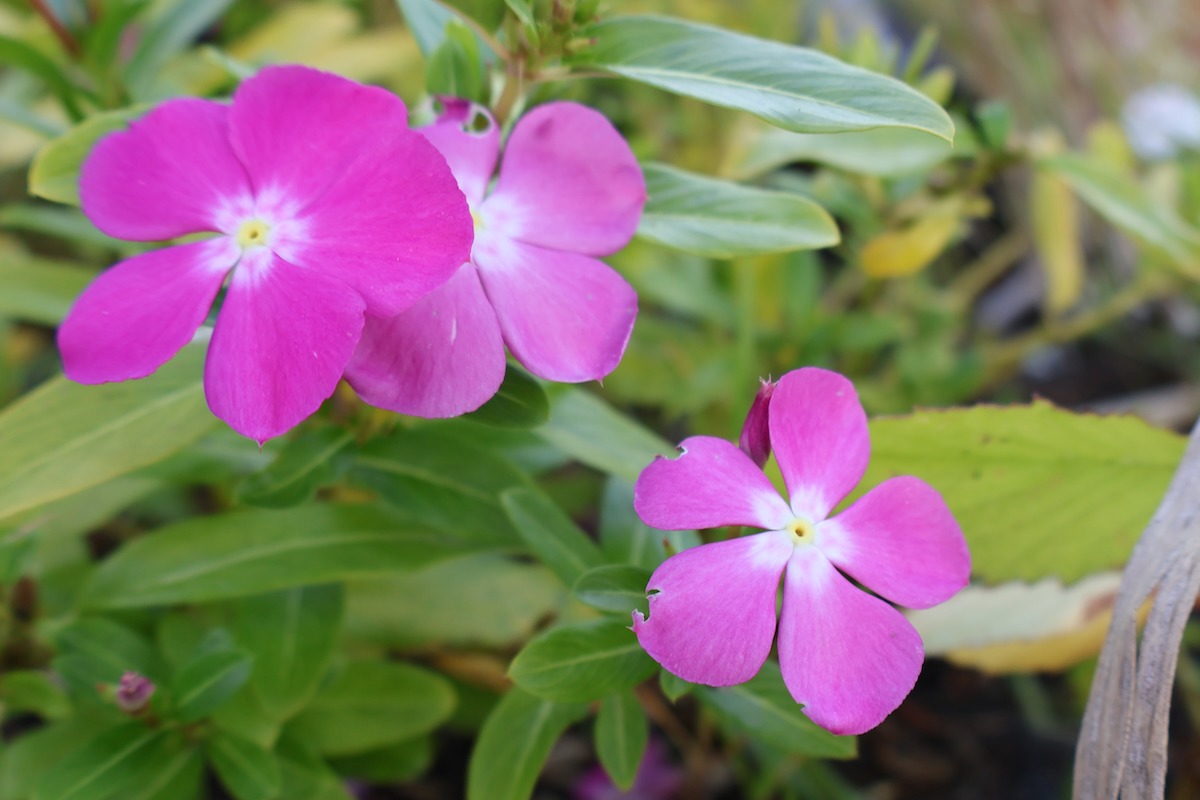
[[710, 485], [137, 314], [470, 153], [849, 657], [298, 129], [819, 435], [713, 617], [173, 172], [566, 317], [280, 345], [568, 181], [901, 541], [441, 358]]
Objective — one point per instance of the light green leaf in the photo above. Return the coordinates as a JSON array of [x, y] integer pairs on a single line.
[[589, 430], [39, 290], [764, 709], [172, 31], [54, 173], [65, 437], [886, 152], [427, 20], [307, 462], [62, 222], [208, 681], [621, 734], [371, 704], [617, 588], [673, 686], [454, 69], [253, 551], [248, 771], [24, 56], [519, 403], [551, 534], [514, 743], [444, 481], [293, 635], [719, 219], [1122, 202], [1037, 490], [792, 87], [103, 767], [582, 662], [623, 535], [244, 715]]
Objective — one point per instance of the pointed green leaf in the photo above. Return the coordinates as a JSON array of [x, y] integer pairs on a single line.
[[617, 588], [514, 743], [248, 771], [519, 403], [54, 173], [792, 87], [208, 681], [673, 686], [551, 534], [103, 767], [16, 53], [720, 219], [29, 757], [586, 428], [621, 734], [306, 463], [582, 662], [176, 775], [886, 152]]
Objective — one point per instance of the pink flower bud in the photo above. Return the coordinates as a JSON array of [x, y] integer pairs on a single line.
[[134, 692], [755, 440]]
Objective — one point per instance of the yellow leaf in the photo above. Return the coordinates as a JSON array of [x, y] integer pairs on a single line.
[[1055, 218], [903, 252]]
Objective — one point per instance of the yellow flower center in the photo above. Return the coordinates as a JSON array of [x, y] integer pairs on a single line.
[[253, 233], [478, 219], [803, 531]]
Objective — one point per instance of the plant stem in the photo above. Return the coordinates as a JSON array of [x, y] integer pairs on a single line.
[[490, 40], [64, 36], [985, 269]]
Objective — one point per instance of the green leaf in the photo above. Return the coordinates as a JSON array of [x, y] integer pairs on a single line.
[[519, 403], [173, 776], [208, 681], [244, 715], [443, 481], [886, 152], [54, 173], [1121, 201], [514, 743], [172, 31], [63, 437], [403, 761], [40, 290], [523, 12], [107, 765], [551, 534], [719, 219], [307, 462], [17, 53], [31, 756], [621, 734], [454, 69], [792, 87], [101, 650], [589, 430], [1037, 490], [371, 704], [307, 776], [618, 588], [64, 223], [248, 771], [673, 686], [623, 535], [764, 709], [255, 551], [427, 20], [293, 635], [30, 690], [582, 662]]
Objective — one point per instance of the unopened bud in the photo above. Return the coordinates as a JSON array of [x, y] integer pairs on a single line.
[[755, 440], [134, 692]]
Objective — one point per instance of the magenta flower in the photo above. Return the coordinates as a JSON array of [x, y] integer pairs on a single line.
[[330, 209], [849, 657], [569, 189], [134, 692]]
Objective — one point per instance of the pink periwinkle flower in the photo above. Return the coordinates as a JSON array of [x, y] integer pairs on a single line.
[[569, 190], [328, 207], [134, 692], [657, 779], [848, 656]]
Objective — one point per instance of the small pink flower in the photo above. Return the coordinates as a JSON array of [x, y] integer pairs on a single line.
[[657, 779], [330, 209], [569, 189], [849, 657], [134, 692], [755, 440]]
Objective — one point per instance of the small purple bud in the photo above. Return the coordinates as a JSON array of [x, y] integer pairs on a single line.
[[134, 692], [755, 440]]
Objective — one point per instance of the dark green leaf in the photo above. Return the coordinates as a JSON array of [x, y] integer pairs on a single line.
[[621, 734], [403, 761], [16, 53], [792, 87], [371, 704], [307, 776], [551, 534], [995, 123], [519, 403], [719, 219], [306, 463], [248, 771], [514, 743], [54, 173], [625, 538], [763, 708], [292, 634], [244, 715], [108, 764], [444, 481], [618, 588], [250, 552], [586, 428], [172, 31], [98, 650], [208, 681], [63, 437], [29, 690], [582, 662], [31, 756], [176, 775]]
